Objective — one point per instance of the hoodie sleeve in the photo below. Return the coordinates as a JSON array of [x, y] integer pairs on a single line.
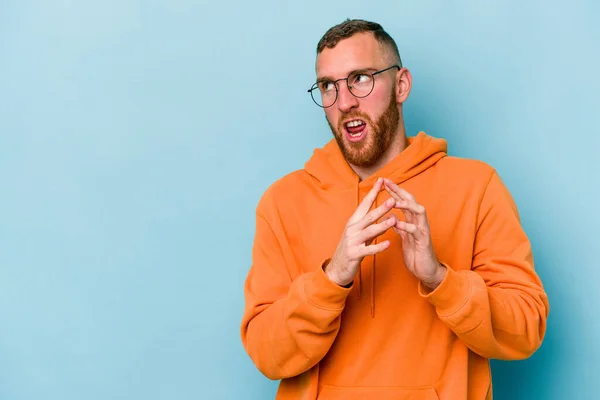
[[498, 307], [290, 318]]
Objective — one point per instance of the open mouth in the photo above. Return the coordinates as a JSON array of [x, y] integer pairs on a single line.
[[355, 129]]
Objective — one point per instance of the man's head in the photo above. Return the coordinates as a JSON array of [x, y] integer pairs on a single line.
[[365, 117]]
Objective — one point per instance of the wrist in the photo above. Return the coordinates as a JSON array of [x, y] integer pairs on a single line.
[[438, 277], [330, 272]]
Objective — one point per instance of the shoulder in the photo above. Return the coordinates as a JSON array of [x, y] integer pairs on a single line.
[[281, 192], [466, 171], [471, 166], [475, 179]]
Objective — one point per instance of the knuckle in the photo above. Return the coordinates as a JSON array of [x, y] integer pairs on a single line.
[[381, 226], [367, 234], [348, 236], [370, 217]]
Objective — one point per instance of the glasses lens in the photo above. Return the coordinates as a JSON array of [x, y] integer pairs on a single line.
[[323, 94], [361, 84]]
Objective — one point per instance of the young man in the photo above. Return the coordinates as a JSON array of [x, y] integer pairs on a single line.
[[386, 269]]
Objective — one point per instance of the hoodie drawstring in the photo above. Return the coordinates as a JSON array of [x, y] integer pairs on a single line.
[[359, 267], [359, 283], [373, 277]]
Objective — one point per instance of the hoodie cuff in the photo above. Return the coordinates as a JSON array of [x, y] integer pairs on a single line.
[[322, 292], [451, 294]]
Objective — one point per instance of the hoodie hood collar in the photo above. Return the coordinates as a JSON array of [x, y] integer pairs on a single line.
[[332, 172]]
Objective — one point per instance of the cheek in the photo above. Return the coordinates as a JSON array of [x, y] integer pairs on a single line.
[[376, 105], [380, 100], [332, 117]]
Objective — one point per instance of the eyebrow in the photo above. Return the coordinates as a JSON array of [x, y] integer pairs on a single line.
[[328, 78]]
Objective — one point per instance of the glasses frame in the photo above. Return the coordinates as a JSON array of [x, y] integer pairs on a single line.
[[337, 90]]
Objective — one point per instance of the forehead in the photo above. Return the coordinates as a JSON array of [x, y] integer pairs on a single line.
[[356, 52]]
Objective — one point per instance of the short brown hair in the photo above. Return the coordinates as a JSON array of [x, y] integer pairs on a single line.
[[351, 27]]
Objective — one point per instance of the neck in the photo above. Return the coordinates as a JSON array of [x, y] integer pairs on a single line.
[[399, 143]]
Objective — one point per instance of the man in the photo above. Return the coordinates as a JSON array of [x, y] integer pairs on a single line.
[[386, 269]]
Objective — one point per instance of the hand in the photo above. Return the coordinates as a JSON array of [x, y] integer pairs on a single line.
[[358, 235], [419, 256]]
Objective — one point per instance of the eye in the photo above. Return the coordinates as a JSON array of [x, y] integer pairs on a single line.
[[327, 86], [359, 79]]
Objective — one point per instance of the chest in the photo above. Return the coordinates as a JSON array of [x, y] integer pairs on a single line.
[[319, 224]]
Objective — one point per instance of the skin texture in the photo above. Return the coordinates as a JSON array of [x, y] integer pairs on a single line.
[[385, 138]]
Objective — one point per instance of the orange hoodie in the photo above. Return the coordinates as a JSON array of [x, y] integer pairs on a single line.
[[386, 337]]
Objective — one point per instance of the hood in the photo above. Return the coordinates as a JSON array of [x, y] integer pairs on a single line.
[[331, 172]]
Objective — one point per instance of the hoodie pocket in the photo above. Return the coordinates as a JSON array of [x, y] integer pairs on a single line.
[[378, 393]]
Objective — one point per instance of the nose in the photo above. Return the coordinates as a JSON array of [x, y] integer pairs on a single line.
[[346, 100]]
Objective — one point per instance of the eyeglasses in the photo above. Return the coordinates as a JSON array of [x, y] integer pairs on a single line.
[[360, 83]]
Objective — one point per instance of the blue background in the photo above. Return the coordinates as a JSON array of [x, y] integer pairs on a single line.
[[137, 136]]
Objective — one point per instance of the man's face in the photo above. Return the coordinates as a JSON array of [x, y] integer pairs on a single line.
[[365, 127]]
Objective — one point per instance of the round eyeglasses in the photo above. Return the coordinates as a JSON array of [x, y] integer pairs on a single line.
[[360, 83]]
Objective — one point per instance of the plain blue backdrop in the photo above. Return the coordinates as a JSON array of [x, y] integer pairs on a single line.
[[136, 138]]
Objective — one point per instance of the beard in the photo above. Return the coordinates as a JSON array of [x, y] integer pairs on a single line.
[[369, 150]]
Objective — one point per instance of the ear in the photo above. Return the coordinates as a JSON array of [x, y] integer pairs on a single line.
[[403, 85]]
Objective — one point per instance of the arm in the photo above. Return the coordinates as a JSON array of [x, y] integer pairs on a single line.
[[289, 323], [498, 308]]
